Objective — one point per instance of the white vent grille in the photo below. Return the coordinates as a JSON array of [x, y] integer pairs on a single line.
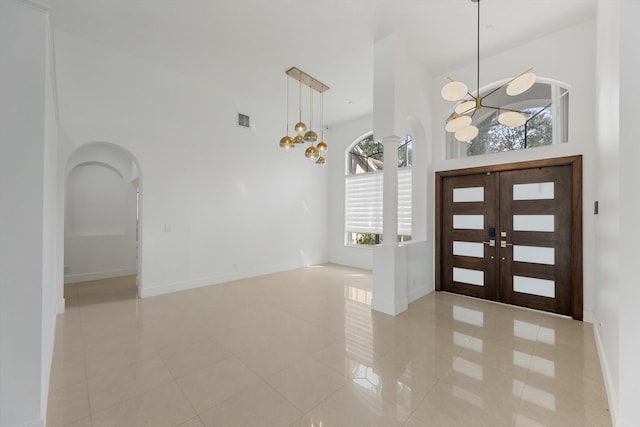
[[243, 120]]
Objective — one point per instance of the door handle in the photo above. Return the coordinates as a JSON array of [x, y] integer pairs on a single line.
[[491, 242], [504, 244]]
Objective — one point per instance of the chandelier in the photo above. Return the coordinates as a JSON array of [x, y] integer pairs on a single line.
[[305, 135], [461, 121]]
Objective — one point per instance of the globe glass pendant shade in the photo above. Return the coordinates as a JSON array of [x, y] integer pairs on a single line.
[[300, 127], [299, 139], [512, 119], [321, 161], [521, 84], [467, 134], [465, 107], [312, 153], [322, 147], [454, 91], [458, 123], [287, 143], [310, 136]]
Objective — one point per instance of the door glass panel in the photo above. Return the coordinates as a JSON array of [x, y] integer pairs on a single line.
[[533, 286], [470, 277], [533, 223], [468, 222], [472, 249], [468, 194], [534, 254], [535, 191]]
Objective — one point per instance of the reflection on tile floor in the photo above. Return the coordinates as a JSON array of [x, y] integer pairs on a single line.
[[302, 348]]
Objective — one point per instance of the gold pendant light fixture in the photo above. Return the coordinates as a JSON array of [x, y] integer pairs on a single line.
[[305, 134], [287, 143], [460, 122]]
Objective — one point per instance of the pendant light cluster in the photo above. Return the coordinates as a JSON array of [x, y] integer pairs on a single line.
[[460, 122], [305, 135]]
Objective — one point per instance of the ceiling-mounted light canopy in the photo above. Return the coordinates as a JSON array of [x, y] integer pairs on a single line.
[[304, 133], [460, 121]]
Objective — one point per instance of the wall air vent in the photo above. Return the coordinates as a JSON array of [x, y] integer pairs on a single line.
[[243, 120]]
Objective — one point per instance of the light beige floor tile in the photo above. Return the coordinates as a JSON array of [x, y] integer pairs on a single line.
[[68, 404], [85, 422], [116, 354], [257, 405], [182, 360], [67, 371], [311, 334], [355, 406], [126, 382], [414, 422], [194, 422], [162, 406], [461, 401], [270, 357], [542, 415], [306, 383], [214, 384]]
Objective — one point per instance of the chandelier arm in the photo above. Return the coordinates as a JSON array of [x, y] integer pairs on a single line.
[[506, 109], [521, 74], [494, 90], [538, 112]]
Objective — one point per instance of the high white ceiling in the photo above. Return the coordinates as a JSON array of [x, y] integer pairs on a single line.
[[248, 44]]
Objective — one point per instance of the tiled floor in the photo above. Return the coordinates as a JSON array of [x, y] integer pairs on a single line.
[[302, 348]]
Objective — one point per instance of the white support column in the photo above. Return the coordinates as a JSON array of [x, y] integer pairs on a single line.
[[390, 259], [390, 191]]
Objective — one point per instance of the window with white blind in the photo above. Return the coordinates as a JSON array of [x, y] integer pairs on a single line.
[[363, 192]]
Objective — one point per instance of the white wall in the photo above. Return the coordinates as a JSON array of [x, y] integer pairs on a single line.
[[567, 56], [617, 231], [607, 230], [100, 223], [28, 130], [219, 202], [629, 413]]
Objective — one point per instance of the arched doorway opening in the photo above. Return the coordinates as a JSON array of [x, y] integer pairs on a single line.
[[102, 217]]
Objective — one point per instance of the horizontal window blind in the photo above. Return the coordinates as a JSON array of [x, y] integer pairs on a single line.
[[404, 201], [363, 204]]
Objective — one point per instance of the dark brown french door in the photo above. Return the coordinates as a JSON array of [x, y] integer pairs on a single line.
[[512, 234]]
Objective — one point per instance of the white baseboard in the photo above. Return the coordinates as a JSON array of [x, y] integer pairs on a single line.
[[419, 292], [213, 280], [83, 277], [587, 316], [389, 307], [612, 395]]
